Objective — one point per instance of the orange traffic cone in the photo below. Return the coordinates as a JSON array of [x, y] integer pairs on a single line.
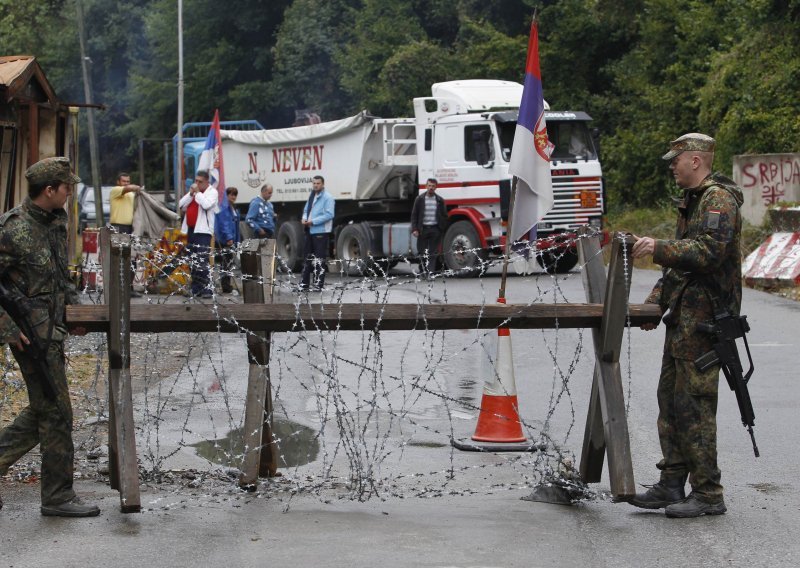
[[498, 420]]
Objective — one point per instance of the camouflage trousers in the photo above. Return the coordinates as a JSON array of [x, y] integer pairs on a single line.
[[43, 423], [687, 426]]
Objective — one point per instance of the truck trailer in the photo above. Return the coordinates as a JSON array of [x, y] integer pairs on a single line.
[[375, 167]]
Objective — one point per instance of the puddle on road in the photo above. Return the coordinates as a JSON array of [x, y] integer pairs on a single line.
[[428, 444], [298, 446]]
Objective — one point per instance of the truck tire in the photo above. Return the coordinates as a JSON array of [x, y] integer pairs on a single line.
[[462, 252], [289, 245], [352, 250], [559, 262]]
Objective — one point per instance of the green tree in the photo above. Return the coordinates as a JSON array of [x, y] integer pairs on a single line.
[[306, 73], [483, 52], [396, 88], [28, 29], [381, 29], [750, 99]]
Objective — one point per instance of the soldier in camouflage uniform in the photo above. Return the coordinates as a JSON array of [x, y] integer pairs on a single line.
[[701, 266], [33, 263]]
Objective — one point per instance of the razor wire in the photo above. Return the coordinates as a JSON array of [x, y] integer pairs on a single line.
[[358, 414]]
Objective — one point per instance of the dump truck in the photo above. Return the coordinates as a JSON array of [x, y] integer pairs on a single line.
[[375, 167]]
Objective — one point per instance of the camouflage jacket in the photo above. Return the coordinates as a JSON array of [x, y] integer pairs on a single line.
[[702, 262], [33, 258]]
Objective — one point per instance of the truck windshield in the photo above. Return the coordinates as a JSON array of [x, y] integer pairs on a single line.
[[571, 140]]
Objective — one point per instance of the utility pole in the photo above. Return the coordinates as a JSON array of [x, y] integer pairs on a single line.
[[179, 187], [94, 157]]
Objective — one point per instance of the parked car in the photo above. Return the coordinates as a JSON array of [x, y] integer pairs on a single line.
[[87, 215]]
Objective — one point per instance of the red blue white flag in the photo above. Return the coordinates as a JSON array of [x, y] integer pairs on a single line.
[[530, 157], [211, 159]]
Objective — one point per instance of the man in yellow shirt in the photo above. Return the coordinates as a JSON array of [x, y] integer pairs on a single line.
[[122, 199]]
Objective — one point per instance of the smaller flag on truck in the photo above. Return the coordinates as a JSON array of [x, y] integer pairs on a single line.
[[530, 157]]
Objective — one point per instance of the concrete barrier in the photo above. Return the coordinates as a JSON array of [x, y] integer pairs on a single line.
[[766, 179]]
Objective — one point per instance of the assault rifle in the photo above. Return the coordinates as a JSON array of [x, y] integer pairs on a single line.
[[727, 328], [17, 306]]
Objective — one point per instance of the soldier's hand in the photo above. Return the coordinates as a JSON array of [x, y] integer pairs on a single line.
[[21, 342], [78, 331], [648, 326], [644, 246]]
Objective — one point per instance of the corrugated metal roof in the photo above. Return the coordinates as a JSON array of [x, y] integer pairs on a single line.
[[12, 66]]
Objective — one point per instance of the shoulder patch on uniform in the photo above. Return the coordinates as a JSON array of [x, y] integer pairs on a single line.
[[712, 219]]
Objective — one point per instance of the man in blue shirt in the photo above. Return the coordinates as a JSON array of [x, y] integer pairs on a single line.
[[318, 224], [261, 215], [226, 231]]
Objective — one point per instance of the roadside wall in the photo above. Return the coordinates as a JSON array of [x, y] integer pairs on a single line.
[[766, 179]]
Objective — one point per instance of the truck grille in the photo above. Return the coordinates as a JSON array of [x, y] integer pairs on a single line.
[[575, 201]]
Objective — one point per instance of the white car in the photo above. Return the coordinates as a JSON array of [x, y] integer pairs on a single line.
[[87, 215]]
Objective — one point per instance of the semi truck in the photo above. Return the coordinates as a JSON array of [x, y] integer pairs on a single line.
[[374, 167]]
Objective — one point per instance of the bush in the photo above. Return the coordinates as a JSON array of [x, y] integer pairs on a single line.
[[660, 222]]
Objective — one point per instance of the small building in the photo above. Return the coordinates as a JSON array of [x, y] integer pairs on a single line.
[[34, 125]]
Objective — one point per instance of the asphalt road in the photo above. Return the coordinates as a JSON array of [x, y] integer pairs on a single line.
[[422, 518]]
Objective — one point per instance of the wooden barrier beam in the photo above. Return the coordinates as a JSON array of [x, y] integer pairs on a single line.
[[610, 395], [594, 284], [123, 465], [261, 451], [162, 318]]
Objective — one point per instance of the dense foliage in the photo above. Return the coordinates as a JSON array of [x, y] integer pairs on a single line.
[[646, 70]]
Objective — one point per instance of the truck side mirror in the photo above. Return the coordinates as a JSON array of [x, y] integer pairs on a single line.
[[480, 145], [596, 139]]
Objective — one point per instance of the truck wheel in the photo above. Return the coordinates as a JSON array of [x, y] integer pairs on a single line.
[[352, 250], [289, 245], [559, 262], [462, 252]]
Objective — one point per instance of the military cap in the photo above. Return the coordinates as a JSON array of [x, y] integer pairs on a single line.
[[51, 169], [693, 142]]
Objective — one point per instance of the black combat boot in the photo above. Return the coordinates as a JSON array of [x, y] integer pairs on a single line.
[[692, 506], [661, 494], [72, 508]]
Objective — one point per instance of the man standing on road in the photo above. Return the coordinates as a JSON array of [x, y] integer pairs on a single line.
[[428, 222], [701, 267], [123, 201], [200, 205], [226, 230], [261, 215], [318, 223], [34, 274]]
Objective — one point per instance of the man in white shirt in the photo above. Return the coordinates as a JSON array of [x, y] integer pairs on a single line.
[[200, 206]]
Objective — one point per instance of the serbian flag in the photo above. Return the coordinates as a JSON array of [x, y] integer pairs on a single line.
[[530, 157], [211, 159]]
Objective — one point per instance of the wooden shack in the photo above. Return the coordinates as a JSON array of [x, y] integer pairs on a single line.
[[34, 125]]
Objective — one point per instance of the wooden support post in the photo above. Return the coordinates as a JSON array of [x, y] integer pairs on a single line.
[[260, 454], [123, 464], [607, 344], [594, 284]]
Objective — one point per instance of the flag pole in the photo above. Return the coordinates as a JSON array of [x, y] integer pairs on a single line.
[[507, 253]]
